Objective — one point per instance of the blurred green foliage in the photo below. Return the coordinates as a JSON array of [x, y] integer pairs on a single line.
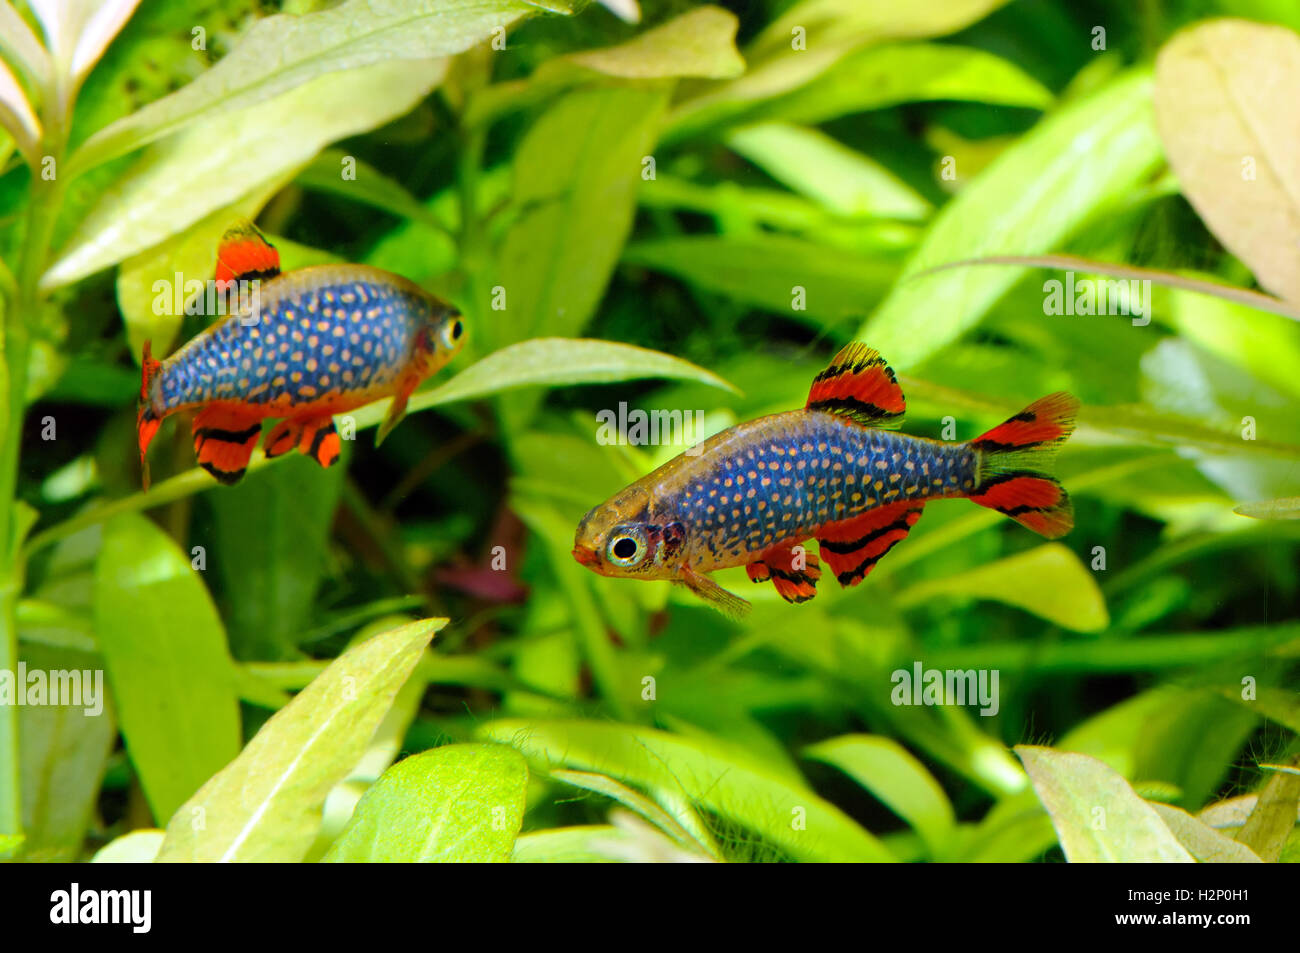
[[713, 201]]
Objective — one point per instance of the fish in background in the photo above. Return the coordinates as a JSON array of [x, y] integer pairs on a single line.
[[833, 471], [319, 341]]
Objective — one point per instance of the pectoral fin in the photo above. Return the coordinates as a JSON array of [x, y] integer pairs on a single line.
[[729, 604], [395, 413]]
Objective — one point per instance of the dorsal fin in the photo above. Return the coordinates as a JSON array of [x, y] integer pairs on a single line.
[[859, 385], [244, 253]]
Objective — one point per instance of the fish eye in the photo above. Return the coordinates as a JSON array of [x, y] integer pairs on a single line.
[[625, 548]]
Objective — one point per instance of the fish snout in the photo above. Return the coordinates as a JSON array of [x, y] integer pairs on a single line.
[[585, 555]]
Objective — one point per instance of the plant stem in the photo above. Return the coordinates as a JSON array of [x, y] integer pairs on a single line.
[[24, 314]]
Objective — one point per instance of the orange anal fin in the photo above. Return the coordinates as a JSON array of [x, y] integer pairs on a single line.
[[282, 438], [851, 548], [793, 570], [859, 385], [245, 254], [223, 442], [320, 440]]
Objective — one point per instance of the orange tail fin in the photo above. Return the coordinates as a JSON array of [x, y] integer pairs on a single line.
[[1015, 466], [147, 421]]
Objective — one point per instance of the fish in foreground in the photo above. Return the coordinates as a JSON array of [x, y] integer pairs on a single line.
[[316, 342], [833, 471]]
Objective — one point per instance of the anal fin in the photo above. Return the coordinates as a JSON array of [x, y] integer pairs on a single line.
[[316, 437], [223, 442], [793, 574], [852, 547]]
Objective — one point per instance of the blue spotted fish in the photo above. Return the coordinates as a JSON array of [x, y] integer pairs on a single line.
[[834, 472], [315, 342]]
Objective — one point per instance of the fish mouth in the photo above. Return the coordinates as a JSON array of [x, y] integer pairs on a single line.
[[585, 555]]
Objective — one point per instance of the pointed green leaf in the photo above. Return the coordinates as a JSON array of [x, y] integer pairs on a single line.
[[266, 804]]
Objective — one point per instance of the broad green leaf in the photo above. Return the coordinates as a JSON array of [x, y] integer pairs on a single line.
[[1224, 106], [851, 21], [338, 173], [575, 180], [137, 847], [568, 845], [454, 804], [1284, 509], [781, 60], [1273, 817], [266, 544], [668, 767], [882, 76], [64, 750], [844, 182], [166, 660], [21, 47], [897, 779], [188, 176], [699, 43], [279, 53], [1097, 816], [265, 805], [778, 273], [1035, 194], [1203, 842], [1048, 581]]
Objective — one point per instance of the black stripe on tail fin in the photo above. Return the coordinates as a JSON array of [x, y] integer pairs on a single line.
[[1016, 459]]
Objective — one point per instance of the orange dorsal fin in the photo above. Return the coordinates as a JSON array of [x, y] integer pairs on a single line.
[[859, 385], [244, 253], [851, 548]]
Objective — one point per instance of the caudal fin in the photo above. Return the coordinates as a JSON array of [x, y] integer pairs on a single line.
[[1016, 459], [146, 421]]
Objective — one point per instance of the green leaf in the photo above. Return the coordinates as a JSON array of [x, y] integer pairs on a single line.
[[279, 53], [188, 176], [669, 767], [137, 847], [268, 539], [1273, 818], [1035, 194], [633, 801], [568, 845], [165, 655], [64, 749], [1224, 106], [877, 77], [550, 362], [1097, 816], [454, 804], [767, 270], [897, 779], [699, 43], [1284, 509], [575, 180], [265, 805], [1048, 581], [830, 29], [1203, 842], [844, 182]]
